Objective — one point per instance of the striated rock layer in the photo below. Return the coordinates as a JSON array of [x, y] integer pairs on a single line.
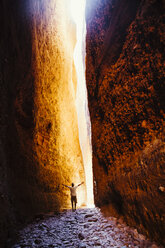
[[39, 147], [125, 81]]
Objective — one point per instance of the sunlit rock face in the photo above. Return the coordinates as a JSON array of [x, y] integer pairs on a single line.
[[125, 81], [56, 143], [40, 146]]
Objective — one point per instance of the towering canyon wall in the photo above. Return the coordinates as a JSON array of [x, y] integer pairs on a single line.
[[39, 147], [126, 90]]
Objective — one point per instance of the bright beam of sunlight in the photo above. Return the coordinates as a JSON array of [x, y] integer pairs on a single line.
[[77, 8]]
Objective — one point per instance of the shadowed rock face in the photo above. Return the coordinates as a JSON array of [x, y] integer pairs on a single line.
[[125, 81], [40, 146]]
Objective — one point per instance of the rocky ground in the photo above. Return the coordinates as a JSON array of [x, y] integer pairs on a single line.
[[81, 229]]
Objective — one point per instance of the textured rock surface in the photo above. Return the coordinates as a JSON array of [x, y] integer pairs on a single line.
[[125, 80], [82, 229], [39, 147]]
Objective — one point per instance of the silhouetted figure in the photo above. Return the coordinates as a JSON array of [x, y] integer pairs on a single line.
[[73, 193]]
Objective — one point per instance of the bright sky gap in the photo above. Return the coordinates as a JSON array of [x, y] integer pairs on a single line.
[[77, 8]]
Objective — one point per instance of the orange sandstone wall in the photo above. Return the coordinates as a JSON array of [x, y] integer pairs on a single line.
[[56, 144], [126, 91], [39, 147]]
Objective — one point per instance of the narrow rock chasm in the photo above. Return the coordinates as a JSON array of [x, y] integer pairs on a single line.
[[39, 139]]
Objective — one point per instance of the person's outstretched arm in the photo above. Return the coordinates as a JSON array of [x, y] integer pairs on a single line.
[[66, 185], [80, 184]]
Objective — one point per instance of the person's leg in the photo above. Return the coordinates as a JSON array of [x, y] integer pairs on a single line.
[[72, 203], [75, 202]]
